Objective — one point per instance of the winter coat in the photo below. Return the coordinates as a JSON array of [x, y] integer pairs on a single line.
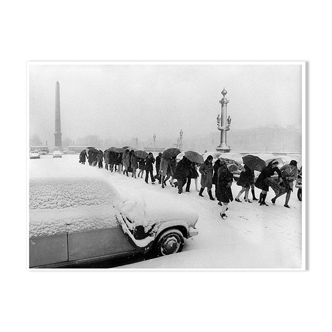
[[163, 166], [111, 157], [224, 183], [182, 169], [215, 171], [246, 178], [82, 157], [149, 161], [158, 161], [262, 180], [192, 171], [171, 167], [118, 160], [141, 164], [289, 174], [126, 159], [106, 156], [206, 170], [133, 162], [100, 156]]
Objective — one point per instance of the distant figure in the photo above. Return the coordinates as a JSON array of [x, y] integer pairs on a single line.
[[224, 191], [149, 161], [216, 166], [206, 170]]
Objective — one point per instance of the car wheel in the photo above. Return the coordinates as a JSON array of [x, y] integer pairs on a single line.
[[170, 242], [299, 194]]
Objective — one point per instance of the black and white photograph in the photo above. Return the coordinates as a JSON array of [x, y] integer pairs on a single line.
[[166, 165]]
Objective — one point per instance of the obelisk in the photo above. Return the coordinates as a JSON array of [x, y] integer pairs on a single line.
[[57, 134]]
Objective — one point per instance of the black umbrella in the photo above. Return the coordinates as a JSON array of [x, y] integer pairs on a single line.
[[254, 163], [170, 153], [141, 154]]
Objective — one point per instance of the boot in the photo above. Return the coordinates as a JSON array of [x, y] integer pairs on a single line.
[[263, 200], [210, 195], [201, 192], [253, 195], [260, 198]]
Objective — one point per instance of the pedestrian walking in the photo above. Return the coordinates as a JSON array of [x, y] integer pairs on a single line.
[[164, 163], [224, 191], [141, 165], [106, 158], [245, 180], [262, 181], [82, 157], [206, 170], [100, 157], [125, 161], [289, 173], [215, 174], [192, 174], [158, 161], [118, 162], [182, 172], [133, 163], [149, 161]]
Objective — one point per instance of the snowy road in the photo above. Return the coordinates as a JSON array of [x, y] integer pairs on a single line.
[[252, 237]]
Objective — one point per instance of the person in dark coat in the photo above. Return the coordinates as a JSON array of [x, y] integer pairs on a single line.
[[181, 172], [215, 174], [133, 163], [158, 160], [141, 165], [245, 181], [206, 170], [192, 174], [100, 157], [82, 157], [118, 162], [149, 161], [106, 158], [224, 191], [262, 181]]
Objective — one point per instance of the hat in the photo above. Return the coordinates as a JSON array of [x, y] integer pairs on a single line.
[[275, 162]]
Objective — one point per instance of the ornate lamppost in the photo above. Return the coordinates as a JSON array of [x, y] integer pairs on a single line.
[[223, 123], [154, 142], [180, 145]]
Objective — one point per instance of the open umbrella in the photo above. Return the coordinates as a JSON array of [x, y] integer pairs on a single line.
[[141, 154], [170, 153], [93, 149], [278, 159], [194, 156], [128, 147], [253, 162], [119, 150]]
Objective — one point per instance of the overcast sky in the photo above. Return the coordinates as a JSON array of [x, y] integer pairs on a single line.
[[140, 100]]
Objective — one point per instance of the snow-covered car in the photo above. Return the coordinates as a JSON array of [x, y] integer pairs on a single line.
[[57, 154], [34, 155], [77, 216]]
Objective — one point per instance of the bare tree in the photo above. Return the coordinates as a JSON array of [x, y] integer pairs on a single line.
[[35, 140]]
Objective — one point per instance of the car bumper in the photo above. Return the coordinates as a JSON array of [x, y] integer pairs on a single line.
[[192, 232]]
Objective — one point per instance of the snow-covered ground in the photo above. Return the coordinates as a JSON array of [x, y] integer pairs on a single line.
[[252, 237]]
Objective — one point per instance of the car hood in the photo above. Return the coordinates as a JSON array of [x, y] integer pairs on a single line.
[[147, 210]]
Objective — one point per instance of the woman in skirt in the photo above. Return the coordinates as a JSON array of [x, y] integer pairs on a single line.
[[245, 181]]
